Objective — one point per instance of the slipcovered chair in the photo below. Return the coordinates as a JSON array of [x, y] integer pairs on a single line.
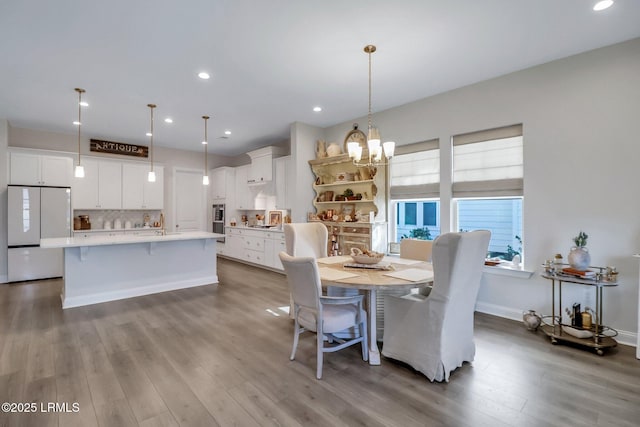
[[306, 239], [416, 249], [322, 314], [434, 334]]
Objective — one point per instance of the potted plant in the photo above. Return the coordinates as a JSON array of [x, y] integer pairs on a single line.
[[348, 194], [579, 257]]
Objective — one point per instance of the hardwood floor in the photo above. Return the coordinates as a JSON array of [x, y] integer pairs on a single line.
[[219, 355]]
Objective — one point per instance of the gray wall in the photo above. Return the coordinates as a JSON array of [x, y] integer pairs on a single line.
[[4, 142], [581, 168]]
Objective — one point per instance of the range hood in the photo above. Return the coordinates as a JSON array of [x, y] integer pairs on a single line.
[[261, 170]]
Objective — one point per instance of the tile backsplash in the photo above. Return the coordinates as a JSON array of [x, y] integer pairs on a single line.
[[98, 217]]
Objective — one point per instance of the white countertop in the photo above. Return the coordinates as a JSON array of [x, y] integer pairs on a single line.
[[241, 227], [102, 240]]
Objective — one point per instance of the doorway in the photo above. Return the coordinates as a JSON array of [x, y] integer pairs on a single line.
[[189, 200]]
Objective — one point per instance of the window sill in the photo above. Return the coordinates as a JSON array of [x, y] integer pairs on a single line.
[[508, 270]]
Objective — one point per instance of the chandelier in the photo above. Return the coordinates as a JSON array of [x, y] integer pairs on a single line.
[[375, 150]]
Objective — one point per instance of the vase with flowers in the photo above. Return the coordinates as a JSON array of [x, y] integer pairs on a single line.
[[579, 257]]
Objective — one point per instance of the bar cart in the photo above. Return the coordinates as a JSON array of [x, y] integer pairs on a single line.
[[602, 337]]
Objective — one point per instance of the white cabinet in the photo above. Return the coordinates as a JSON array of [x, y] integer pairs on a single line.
[[222, 183], [33, 169], [101, 187], [233, 246], [138, 192], [256, 246], [261, 169], [244, 199], [274, 243], [283, 174]]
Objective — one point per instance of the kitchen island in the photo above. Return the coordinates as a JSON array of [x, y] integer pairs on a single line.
[[106, 268]]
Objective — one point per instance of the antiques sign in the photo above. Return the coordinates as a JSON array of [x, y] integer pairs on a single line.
[[119, 148]]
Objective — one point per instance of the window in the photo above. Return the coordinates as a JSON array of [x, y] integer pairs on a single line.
[[488, 186], [415, 188], [503, 217], [418, 219], [429, 213]]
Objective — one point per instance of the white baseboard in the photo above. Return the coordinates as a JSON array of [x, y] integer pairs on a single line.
[[624, 337], [136, 292]]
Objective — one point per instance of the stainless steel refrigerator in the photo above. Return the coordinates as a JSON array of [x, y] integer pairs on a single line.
[[35, 213]]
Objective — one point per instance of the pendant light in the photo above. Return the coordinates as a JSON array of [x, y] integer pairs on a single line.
[[373, 137], [79, 171], [205, 177], [152, 175]]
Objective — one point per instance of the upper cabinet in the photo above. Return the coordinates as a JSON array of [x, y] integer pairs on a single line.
[[101, 187], [243, 195], [282, 169], [261, 169], [222, 183], [137, 191], [32, 169]]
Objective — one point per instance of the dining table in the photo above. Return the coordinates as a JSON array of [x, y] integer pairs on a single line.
[[390, 273]]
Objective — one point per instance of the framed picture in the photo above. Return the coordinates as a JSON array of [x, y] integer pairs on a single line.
[[312, 216], [348, 209], [275, 217]]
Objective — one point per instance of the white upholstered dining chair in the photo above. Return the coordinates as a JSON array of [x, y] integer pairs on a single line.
[[323, 315], [434, 333], [308, 239], [416, 249], [305, 239]]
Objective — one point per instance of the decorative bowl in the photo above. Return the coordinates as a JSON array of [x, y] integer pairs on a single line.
[[367, 259]]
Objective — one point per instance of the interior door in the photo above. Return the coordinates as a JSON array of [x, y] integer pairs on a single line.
[[190, 201]]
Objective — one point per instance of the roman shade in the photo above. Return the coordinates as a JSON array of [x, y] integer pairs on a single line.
[[415, 171], [488, 163]]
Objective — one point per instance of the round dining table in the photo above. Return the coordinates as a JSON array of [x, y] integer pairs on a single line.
[[401, 274]]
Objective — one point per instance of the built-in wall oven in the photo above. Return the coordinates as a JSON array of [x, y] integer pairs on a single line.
[[218, 220]]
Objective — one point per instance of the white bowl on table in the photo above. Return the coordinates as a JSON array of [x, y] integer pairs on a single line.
[[367, 259]]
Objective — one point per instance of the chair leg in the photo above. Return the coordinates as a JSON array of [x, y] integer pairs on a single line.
[[296, 334], [365, 338], [320, 344]]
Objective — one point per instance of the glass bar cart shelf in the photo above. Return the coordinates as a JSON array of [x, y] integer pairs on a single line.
[[553, 325]]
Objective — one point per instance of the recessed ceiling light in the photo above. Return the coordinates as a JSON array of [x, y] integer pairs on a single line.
[[203, 75], [227, 132], [317, 109], [168, 120], [77, 123], [602, 5], [84, 104], [148, 134]]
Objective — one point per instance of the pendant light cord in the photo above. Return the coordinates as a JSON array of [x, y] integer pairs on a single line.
[[151, 107], [206, 143], [80, 91]]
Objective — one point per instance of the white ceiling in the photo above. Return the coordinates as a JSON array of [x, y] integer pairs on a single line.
[[270, 61]]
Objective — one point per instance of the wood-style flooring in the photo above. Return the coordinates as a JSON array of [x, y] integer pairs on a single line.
[[219, 355]]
